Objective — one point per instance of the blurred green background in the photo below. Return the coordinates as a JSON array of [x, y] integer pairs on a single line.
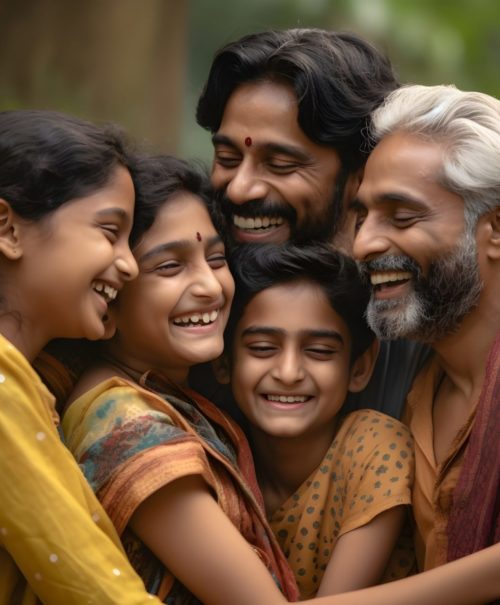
[[142, 63]]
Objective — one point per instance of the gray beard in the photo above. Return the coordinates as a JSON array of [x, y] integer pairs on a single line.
[[437, 304]]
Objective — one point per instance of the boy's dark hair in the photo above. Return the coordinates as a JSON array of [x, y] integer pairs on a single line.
[[158, 178], [338, 78], [49, 158], [256, 267]]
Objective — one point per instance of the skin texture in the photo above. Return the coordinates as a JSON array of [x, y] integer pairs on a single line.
[[183, 274], [282, 165], [402, 209], [306, 355], [50, 267]]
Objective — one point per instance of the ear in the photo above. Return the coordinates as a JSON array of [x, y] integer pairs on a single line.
[[10, 245], [343, 238], [493, 223], [221, 369], [352, 185], [362, 368]]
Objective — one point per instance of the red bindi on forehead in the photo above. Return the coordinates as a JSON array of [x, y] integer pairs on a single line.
[[248, 141]]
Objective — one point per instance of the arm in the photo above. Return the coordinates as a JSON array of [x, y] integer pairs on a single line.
[[361, 555], [472, 580], [188, 531], [185, 527]]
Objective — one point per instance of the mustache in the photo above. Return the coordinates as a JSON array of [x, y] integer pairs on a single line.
[[257, 207], [400, 262]]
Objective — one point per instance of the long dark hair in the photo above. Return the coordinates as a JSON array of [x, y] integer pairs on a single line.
[[49, 158]]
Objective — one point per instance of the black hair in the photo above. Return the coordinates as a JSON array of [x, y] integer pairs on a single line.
[[48, 158], [157, 178], [338, 78], [256, 267]]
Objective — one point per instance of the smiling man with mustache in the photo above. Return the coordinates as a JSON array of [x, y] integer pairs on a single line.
[[428, 238], [286, 110]]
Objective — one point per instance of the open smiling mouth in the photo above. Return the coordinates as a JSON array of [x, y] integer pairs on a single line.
[[259, 223], [105, 290], [196, 319], [389, 279], [288, 398]]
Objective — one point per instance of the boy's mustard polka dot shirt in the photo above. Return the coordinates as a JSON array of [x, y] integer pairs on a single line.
[[367, 469]]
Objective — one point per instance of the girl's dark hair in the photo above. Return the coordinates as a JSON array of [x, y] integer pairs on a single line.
[[159, 177], [49, 158], [256, 267], [338, 78]]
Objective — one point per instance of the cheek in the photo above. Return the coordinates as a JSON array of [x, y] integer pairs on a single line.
[[219, 176]]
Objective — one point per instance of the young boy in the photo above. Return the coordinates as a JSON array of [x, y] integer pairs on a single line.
[[335, 486]]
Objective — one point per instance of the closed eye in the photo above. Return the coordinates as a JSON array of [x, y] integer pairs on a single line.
[[262, 350], [217, 261], [168, 269], [111, 231], [227, 160], [321, 353]]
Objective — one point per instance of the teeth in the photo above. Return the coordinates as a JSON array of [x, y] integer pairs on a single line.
[[381, 278], [197, 318], [287, 398], [108, 292], [260, 222]]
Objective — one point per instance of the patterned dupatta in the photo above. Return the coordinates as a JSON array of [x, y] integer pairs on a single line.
[[118, 432]]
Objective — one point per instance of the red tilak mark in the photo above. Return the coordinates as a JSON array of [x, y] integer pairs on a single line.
[[248, 141], [198, 236]]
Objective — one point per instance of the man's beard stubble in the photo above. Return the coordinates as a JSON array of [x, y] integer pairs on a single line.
[[437, 304], [319, 228]]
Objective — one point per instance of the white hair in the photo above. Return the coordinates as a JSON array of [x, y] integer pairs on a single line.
[[467, 124]]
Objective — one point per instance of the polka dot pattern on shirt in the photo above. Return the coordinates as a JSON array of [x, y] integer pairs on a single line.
[[368, 464]]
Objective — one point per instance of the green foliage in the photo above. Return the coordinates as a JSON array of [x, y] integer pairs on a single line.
[[429, 41]]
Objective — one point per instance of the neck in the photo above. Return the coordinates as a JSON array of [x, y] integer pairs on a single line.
[[284, 463], [133, 366], [463, 354]]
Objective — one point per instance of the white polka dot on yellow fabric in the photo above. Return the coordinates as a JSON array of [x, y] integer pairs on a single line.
[[53, 558], [38, 576], [116, 572], [40, 436], [96, 517], [2, 378]]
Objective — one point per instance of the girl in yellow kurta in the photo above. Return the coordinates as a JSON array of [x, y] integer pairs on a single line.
[[66, 206]]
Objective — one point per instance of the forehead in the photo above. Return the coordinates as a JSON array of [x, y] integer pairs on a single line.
[[300, 306], [179, 218], [266, 111], [403, 163]]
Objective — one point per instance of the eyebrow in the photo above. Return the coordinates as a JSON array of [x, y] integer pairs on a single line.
[[396, 198], [292, 150], [176, 245], [120, 212], [271, 331]]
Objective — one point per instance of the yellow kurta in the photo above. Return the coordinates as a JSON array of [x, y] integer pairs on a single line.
[[367, 469], [56, 543]]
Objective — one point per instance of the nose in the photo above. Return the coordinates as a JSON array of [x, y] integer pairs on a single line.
[[289, 368], [246, 184], [370, 240], [206, 284], [126, 264]]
